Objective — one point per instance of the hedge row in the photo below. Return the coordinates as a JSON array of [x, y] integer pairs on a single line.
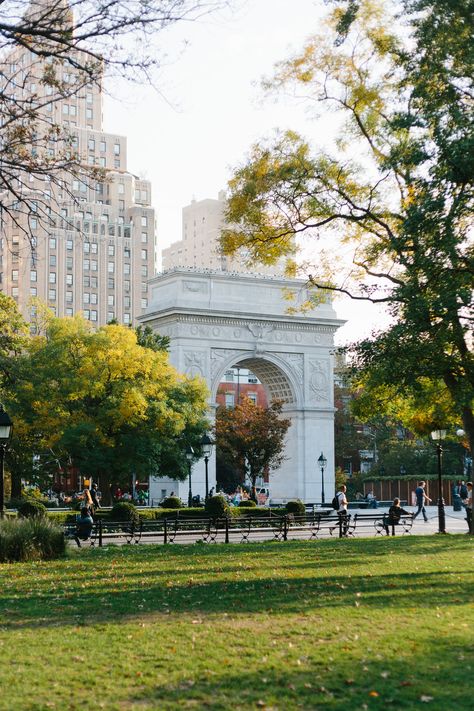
[[62, 517]]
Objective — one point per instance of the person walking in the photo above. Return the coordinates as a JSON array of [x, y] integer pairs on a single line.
[[421, 498], [468, 504], [94, 497]]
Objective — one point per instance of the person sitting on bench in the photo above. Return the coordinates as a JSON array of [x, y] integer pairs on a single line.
[[84, 524], [394, 515]]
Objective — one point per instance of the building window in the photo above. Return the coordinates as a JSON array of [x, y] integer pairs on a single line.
[[89, 113], [33, 291], [69, 279], [116, 149], [94, 282], [117, 163], [110, 300], [121, 205], [252, 397], [144, 271], [91, 144], [144, 237], [86, 297], [111, 250], [69, 297], [33, 275], [87, 264], [126, 268], [93, 315], [69, 245], [94, 265], [144, 221], [229, 399], [94, 247], [52, 260], [126, 285], [110, 315], [33, 223], [126, 318], [52, 277], [144, 303], [144, 286], [52, 294], [110, 283], [93, 298], [126, 302], [121, 189], [102, 146], [69, 262], [52, 242], [87, 314], [87, 247], [15, 292], [69, 312], [144, 254]]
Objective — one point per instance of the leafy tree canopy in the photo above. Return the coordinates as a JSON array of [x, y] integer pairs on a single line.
[[397, 190], [252, 436], [104, 403]]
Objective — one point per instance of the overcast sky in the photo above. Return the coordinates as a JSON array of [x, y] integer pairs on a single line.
[[187, 140]]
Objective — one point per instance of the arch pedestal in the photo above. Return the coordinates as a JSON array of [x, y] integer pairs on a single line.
[[217, 320]]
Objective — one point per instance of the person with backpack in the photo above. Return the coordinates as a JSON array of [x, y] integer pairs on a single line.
[[421, 497], [340, 503]]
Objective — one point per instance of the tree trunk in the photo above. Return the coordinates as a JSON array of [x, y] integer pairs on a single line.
[[105, 484]]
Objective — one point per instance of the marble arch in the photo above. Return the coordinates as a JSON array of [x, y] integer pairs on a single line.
[[216, 320]]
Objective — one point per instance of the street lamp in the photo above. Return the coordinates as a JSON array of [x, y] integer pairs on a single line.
[[206, 449], [322, 461], [190, 457], [437, 436], [6, 426]]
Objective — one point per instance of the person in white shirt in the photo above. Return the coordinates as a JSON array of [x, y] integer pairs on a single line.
[[342, 510]]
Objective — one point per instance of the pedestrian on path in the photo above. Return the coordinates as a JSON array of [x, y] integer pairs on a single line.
[[468, 505], [421, 498], [342, 510]]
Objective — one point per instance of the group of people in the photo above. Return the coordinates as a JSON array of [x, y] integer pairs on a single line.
[[395, 511]]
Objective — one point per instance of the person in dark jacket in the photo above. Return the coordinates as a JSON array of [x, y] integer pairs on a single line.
[[394, 515], [94, 497], [84, 524]]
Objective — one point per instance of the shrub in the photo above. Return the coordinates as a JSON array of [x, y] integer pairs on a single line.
[[172, 502], [30, 508], [217, 506], [33, 538], [124, 511], [247, 504], [296, 507]]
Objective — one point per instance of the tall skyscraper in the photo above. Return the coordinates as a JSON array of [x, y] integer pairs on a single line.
[[199, 247], [82, 243]]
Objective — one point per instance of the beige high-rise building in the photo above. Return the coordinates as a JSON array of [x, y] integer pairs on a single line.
[[202, 223], [87, 244]]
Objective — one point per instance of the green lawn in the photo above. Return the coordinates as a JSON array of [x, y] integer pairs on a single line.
[[351, 624]]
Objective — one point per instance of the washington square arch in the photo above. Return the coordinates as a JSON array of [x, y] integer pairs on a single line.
[[218, 320]]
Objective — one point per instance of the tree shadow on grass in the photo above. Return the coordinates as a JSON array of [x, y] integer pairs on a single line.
[[247, 596], [396, 678]]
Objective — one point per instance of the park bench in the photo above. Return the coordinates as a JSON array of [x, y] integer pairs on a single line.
[[377, 522], [108, 531]]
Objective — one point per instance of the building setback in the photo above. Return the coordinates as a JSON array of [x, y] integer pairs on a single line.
[[87, 244]]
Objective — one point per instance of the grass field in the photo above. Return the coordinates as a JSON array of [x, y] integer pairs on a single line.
[[351, 624]]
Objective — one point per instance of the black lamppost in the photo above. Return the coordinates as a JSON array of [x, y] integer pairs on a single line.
[[437, 436], [190, 457], [206, 449], [322, 461], [6, 426]]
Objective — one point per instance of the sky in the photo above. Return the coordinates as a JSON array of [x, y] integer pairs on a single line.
[[187, 137]]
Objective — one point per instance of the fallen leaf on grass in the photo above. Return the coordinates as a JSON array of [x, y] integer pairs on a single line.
[[426, 699], [373, 693]]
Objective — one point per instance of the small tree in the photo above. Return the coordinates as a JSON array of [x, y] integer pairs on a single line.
[[252, 437]]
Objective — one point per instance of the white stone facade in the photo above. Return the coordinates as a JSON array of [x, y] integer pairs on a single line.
[[217, 320]]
